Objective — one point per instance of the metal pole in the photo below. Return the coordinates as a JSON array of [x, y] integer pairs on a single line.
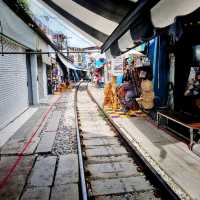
[[1, 27], [50, 52]]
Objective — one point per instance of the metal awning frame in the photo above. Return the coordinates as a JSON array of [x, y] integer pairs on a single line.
[[142, 8], [41, 53]]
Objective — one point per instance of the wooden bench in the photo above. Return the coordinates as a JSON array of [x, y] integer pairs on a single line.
[[194, 128]]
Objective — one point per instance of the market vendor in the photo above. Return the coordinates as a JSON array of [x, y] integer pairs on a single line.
[[146, 100], [127, 94]]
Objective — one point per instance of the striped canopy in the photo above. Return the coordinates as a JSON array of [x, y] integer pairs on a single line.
[[95, 19], [149, 18], [68, 64], [117, 25]]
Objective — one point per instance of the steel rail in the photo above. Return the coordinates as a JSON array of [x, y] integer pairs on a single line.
[[80, 158], [152, 171]]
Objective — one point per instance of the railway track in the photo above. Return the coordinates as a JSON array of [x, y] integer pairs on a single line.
[[109, 168]]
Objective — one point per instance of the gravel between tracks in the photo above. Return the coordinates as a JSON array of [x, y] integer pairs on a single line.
[[65, 141]]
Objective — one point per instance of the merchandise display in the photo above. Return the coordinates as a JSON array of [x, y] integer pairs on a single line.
[[134, 91], [146, 99]]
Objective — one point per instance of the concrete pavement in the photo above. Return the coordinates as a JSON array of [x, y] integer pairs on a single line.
[[36, 160]]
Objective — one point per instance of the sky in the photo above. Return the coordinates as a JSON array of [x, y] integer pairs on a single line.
[[75, 39]]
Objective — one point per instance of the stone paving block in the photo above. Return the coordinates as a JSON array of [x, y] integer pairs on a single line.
[[24, 166], [89, 113], [46, 142], [36, 193], [149, 195], [22, 169], [31, 148], [107, 187], [5, 163], [96, 129], [111, 170], [15, 146], [43, 172], [67, 171], [53, 122], [88, 118], [88, 135], [139, 183], [95, 160], [101, 142], [106, 151], [15, 185], [8, 132], [26, 130], [12, 190], [120, 186], [96, 123], [65, 192]]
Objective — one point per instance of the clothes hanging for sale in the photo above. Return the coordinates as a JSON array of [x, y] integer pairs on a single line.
[[158, 54]]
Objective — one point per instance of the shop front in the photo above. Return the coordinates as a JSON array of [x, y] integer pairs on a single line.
[[183, 117], [171, 32], [130, 90], [55, 78], [13, 84], [17, 72]]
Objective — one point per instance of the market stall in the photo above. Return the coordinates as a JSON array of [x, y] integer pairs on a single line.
[[130, 90], [171, 29]]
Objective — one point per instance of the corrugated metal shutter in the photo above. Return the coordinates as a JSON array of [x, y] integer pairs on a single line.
[[13, 83]]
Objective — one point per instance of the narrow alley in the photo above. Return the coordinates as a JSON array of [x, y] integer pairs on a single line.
[[99, 99]]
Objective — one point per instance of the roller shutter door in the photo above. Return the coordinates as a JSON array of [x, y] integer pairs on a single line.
[[13, 83]]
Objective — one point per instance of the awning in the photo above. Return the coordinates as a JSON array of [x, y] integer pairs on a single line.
[[94, 19], [119, 24], [165, 12], [141, 24], [68, 64]]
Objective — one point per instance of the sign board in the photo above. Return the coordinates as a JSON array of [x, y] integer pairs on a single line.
[[117, 66]]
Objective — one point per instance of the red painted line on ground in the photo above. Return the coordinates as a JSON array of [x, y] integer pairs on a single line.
[[4, 181]]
